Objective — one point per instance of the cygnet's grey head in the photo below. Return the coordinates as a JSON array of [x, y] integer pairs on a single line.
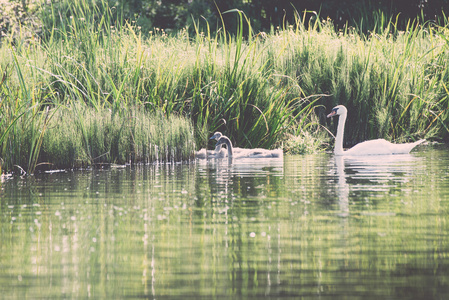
[[217, 135]]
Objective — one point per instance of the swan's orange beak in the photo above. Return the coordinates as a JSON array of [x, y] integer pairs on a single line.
[[333, 113]]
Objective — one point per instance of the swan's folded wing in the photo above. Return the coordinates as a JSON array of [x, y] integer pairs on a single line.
[[381, 147]]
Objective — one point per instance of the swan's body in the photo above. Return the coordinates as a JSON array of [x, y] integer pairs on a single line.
[[218, 152], [242, 152], [372, 147]]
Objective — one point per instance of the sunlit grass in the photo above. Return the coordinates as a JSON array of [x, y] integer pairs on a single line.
[[105, 84], [393, 84], [80, 137]]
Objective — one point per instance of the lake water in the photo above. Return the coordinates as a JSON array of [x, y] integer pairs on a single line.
[[303, 227]]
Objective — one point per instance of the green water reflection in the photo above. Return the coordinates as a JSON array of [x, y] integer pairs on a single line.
[[304, 227]]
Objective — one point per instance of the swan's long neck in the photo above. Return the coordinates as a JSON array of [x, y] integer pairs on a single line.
[[227, 141], [218, 148], [338, 148], [228, 145]]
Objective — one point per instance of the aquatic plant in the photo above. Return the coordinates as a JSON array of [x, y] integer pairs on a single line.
[[104, 79], [81, 136], [395, 83]]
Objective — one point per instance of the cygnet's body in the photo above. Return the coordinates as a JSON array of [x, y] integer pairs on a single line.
[[245, 153], [218, 152]]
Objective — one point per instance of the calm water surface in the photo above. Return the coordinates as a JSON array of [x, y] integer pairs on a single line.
[[305, 227]]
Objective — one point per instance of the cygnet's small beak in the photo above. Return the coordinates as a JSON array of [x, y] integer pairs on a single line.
[[212, 137]]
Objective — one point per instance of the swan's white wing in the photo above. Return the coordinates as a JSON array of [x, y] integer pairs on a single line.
[[381, 147], [372, 147]]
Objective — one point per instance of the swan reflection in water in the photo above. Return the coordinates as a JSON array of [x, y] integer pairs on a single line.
[[235, 152], [371, 174]]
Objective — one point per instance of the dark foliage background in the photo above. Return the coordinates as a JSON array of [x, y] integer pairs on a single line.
[[267, 14], [264, 15]]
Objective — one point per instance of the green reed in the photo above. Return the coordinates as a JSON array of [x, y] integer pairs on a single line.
[[393, 83], [61, 108], [120, 95], [78, 137]]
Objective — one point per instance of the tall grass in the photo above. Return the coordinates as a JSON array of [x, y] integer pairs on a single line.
[[79, 136], [394, 84], [95, 89]]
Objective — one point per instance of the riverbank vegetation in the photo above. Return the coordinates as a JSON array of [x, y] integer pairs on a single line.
[[93, 88]]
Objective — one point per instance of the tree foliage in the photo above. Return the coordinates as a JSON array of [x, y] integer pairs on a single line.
[[267, 14], [264, 15]]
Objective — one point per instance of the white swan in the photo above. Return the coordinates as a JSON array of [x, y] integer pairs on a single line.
[[245, 153], [372, 147]]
